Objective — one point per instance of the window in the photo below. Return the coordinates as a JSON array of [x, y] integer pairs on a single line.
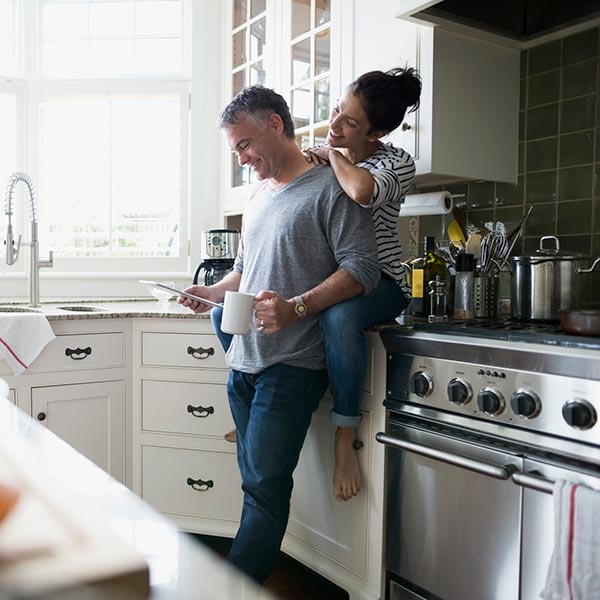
[[8, 38], [112, 91]]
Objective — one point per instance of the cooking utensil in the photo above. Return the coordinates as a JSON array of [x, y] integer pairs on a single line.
[[455, 234], [549, 281], [515, 234], [580, 322], [474, 245], [181, 293]]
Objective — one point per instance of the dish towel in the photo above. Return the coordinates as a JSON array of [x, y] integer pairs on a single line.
[[22, 338], [574, 571]]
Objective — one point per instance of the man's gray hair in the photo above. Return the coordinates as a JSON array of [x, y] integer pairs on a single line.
[[257, 104]]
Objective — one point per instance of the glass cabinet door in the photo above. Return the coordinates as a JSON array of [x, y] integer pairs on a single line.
[[249, 46], [310, 69]]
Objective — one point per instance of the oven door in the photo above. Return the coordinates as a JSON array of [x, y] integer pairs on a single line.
[[538, 521], [453, 516]]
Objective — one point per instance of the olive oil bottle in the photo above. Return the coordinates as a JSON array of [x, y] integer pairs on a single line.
[[424, 270]]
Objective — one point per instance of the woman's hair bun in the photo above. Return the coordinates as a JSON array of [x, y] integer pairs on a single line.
[[411, 85]]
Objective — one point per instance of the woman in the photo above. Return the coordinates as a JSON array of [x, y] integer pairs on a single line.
[[377, 176]]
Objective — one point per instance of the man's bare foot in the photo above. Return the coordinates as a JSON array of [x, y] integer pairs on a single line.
[[231, 436], [346, 477]]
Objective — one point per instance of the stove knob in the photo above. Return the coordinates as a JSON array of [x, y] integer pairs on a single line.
[[490, 401], [526, 404], [579, 414], [459, 391], [421, 384]]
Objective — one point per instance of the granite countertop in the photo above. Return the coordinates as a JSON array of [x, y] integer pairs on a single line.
[[181, 568], [108, 308]]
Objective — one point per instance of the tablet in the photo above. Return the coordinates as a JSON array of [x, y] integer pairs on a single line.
[[181, 293]]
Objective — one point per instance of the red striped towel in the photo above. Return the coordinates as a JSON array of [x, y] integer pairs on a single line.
[[22, 337], [574, 570]]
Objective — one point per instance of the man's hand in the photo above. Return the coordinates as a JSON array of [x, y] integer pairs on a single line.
[[204, 292], [273, 312]]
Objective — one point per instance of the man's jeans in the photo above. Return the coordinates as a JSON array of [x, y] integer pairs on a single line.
[[272, 412]]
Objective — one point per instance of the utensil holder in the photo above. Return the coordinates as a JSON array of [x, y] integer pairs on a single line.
[[485, 293]]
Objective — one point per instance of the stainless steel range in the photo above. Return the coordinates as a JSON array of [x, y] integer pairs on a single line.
[[482, 419]]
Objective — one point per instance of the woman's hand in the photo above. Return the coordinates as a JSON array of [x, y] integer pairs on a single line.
[[318, 155]]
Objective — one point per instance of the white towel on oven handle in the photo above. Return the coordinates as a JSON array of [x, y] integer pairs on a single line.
[[22, 337], [574, 570]]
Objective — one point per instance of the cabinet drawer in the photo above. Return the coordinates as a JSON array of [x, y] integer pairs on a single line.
[[168, 475], [81, 351], [185, 407], [182, 350]]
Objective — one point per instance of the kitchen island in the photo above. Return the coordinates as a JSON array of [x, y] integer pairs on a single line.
[[180, 568]]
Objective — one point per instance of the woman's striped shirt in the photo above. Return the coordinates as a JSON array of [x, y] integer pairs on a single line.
[[393, 171]]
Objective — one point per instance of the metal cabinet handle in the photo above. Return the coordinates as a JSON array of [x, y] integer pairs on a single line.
[[406, 126], [41, 416], [534, 482], [200, 411], [201, 353], [357, 444], [491, 470], [199, 484], [78, 353]]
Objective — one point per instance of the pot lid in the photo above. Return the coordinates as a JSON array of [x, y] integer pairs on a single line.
[[546, 253]]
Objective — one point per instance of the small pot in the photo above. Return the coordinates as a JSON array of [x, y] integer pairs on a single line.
[[580, 322], [549, 281]]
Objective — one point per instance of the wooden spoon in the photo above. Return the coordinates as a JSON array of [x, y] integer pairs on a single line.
[[474, 245]]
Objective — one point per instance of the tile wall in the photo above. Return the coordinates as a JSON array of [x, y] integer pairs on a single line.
[[559, 153]]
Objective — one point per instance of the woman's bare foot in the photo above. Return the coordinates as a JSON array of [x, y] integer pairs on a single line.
[[346, 477], [231, 436]]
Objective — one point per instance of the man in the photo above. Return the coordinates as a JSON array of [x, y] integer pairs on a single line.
[[304, 247]]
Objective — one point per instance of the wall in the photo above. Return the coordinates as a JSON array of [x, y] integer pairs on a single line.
[[559, 154]]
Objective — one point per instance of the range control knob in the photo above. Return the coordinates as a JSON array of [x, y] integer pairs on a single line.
[[525, 404], [421, 384], [579, 414], [459, 391], [491, 401]]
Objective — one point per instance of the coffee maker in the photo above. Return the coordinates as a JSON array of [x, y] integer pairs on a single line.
[[219, 247]]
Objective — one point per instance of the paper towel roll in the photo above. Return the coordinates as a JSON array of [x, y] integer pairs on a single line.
[[434, 203]]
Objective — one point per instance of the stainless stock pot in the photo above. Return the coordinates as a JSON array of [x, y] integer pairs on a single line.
[[549, 281]]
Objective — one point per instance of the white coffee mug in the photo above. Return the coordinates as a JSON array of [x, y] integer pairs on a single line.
[[238, 313]]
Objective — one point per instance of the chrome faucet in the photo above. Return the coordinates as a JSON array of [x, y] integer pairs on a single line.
[[12, 252]]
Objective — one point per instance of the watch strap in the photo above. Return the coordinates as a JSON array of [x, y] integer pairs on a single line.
[[300, 308]]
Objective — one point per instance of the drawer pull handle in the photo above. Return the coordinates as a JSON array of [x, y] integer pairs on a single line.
[[357, 444], [41, 416], [199, 484], [78, 353], [201, 353], [201, 412]]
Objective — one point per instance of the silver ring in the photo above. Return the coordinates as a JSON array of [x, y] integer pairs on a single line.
[[262, 322]]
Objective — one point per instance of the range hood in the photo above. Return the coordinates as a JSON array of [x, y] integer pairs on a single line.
[[520, 20]]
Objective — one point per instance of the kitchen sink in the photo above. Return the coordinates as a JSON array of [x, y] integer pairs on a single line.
[[86, 309], [17, 309]]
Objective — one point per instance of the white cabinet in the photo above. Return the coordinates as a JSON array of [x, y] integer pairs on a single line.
[[88, 416], [181, 464], [467, 124], [79, 388], [343, 541]]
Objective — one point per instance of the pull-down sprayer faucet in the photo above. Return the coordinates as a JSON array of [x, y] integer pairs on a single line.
[[12, 252]]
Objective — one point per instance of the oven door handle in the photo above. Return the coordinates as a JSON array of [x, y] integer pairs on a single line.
[[533, 482], [491, 470]]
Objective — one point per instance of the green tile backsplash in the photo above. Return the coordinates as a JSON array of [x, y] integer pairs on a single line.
[[559, 153]]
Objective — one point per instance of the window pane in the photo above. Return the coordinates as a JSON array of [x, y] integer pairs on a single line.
[[7, 60], [158, 18], [257, 7], [64, 20], [158, 56], [240, 12], [322, 52], [239, 81], [111, 57], [322, 12], [258, 38], [301, 107], [300, 17], [303, 141], [6, 19], [239, 48], [322, 100], [301, 61], [111, 19], [8, 127], [257, 74], [66, 59]]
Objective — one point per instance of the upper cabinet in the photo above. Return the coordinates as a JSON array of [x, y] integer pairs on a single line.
[[467, 123]]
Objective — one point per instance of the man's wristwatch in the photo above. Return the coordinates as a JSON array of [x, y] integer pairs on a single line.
[[300, 308]]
